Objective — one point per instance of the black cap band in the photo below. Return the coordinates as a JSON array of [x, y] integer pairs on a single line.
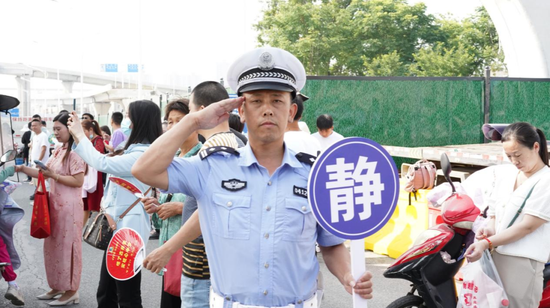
[[274, 73]]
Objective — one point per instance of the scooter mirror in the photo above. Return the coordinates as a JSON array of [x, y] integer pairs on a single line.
[[446, 167], [8, 156]]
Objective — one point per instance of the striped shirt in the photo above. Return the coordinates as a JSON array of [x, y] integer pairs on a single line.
[[227, 139]]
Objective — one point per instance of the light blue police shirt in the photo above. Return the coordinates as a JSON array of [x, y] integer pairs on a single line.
[[258, 229]]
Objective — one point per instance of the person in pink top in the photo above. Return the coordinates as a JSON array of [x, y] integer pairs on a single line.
[[63, 248]]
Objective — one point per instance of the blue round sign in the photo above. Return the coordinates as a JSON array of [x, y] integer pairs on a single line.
[[353, 188]]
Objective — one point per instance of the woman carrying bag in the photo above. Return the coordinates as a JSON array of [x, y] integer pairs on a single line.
[[146, 128], [63, 248], [518, 218]]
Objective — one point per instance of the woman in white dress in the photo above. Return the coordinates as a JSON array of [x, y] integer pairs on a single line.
[[522, 245]]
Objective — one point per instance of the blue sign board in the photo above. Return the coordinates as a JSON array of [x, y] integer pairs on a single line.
[[14, 112], [353, 188], [133, 68], [110, 68]]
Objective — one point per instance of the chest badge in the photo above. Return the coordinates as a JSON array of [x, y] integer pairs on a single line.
[[299, 191], [233, 185]]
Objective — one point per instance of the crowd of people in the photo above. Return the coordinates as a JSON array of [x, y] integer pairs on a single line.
[[231, 226]]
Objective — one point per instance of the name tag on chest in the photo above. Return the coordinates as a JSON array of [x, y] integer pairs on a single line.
[[299, 191]]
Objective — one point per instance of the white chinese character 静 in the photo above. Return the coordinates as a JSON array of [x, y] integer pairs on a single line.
[[347, 180]]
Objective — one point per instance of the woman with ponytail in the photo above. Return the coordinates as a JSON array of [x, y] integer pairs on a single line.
[[63, 248], [521, 242], [92, 200]]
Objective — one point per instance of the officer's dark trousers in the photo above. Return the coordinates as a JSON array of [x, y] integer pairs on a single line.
[[112, 293]]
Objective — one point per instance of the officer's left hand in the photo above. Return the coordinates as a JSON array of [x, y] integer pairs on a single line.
[[362, 287], [216, 113], [169, 209]]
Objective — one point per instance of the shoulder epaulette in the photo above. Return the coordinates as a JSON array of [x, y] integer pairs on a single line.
[[209, 151], [306, 158]]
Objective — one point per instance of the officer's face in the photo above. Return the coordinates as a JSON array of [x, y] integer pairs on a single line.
[[267, 113]]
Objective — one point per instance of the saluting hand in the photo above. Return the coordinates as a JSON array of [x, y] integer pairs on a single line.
[[362, 287], [216, 113], [75, 128], [157, 260]]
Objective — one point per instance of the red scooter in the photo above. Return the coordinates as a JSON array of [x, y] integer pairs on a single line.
[[438, 253]]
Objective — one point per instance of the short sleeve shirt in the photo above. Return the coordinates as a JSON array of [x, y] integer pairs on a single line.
[[117, 138], [328, 141], [38, 142], [299, 141], [507, 201], [260, 236]]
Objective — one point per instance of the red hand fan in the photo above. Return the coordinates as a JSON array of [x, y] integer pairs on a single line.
[[125, 254]]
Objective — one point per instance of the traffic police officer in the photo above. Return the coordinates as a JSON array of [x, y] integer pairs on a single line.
[[256, 222]]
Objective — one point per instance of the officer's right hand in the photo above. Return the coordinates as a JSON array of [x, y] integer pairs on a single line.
[[150, 204], [157, 260], [216, 113]]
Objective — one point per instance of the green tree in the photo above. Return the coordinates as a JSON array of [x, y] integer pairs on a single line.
[[479, 34], [443, 61], [380, 38], [385, 65], [334, 37]]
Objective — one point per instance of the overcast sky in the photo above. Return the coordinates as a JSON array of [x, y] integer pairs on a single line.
[[181, 41]]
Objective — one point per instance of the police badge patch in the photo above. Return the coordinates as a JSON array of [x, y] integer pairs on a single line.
[[266, 61], [233, 185]]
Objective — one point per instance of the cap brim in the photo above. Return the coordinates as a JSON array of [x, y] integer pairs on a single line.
[[266, 86]]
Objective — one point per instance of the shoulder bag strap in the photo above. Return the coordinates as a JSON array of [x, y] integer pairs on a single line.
[[522, 205], [133, 204]]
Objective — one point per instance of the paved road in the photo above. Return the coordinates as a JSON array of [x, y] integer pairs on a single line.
[[32, 276]]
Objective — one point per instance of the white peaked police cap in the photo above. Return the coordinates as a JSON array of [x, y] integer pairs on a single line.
[[267, 68]]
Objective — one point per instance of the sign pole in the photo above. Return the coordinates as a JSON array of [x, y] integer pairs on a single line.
[[358, 268]]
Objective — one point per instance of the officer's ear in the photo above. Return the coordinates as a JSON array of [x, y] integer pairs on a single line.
[[292, 112], [242, 112]]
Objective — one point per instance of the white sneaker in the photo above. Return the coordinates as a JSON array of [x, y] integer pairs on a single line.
[[14, 295]]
